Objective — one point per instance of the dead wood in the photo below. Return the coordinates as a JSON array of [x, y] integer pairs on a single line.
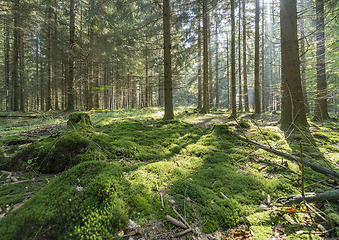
[[320, 169], [175, 222], [19, 116], [311, 197]]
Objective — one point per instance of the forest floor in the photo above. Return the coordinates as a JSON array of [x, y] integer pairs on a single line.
[[131, 171]]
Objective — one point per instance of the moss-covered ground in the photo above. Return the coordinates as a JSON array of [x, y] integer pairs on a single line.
[[77, 181]]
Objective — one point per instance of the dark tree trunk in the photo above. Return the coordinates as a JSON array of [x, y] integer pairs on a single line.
[[206, 103], [15, 56], [216, 65], [257, 99], [199, 64], [70, 82], [239, 59], [292, 102], [169, 114], [49, 60], [321, 107], [55, 61], [244, 52], [263, 85], [7, 66], [234, 93]]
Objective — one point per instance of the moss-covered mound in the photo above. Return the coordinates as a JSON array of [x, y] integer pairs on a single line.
[[60, 150], [90, 199]]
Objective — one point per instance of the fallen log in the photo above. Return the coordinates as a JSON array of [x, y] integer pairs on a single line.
[[312, 197], [320, 169]]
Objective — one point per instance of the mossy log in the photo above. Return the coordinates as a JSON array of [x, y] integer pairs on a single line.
[[313, 197], [320, 169]]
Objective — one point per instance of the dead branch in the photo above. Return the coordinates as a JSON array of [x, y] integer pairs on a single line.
[[175, 222], [312, 197], [320, 169]]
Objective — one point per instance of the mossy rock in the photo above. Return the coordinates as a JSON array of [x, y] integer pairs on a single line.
[[79, 121], [89, 201]]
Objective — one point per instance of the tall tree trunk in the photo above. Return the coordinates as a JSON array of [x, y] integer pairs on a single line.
[[206, 103], [257, 99], [216, 65], [292, 102], [49, 60], [15, 55], [7, 66], [303, 60], [70, 82], [199, 64], [169, 114], [96, 87], [228, 73], [55, 62], [37, 69], [244, 52], [147, 103], [234, 93], [321, 107], [209, 50], [263, 85], [239, 58], [22, 68]]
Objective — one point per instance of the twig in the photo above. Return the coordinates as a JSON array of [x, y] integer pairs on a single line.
[[261, 132], [162, 201], [182, 219], [318, 214], [182, 233], [175, 222]]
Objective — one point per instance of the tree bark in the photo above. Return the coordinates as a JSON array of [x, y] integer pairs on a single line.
[[321, 104], [49, 60], [199, 64], [216, 65], [244, 52], [70, 82], [7, 65], [292, 102], [239, 59], [263, 85], [169, 114], [206, 103], [257, 109], [234, 93], [15, 56]]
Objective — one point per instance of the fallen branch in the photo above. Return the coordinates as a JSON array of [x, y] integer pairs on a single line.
[[175, 222], [312, 197], [320, 169]]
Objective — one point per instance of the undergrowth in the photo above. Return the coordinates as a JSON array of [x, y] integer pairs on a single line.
[[117, 171]]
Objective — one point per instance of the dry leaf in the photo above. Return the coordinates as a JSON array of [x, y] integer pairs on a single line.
[[280, 228]]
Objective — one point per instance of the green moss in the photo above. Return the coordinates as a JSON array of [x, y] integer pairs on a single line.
[[87, 200], [79, 121]]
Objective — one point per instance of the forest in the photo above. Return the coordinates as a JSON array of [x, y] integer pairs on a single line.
[[181, 119]]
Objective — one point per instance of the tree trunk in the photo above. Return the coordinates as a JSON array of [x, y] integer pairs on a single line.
[[7, 65], [228, 73], [292, 103], [321, 105], [257, 99], [263, 85], [239, 59], [49, 60], [15, 56], [216, 65], [206, 103], [199, 64], [169, 114], [70, 82], [303, 60], [22, 68], [234, 93], [244, 52], [55, 62]]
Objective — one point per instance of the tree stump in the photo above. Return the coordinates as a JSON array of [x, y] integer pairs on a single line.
[[80, 121]]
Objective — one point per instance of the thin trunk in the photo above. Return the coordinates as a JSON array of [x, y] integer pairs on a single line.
[[206, 103], [321, 105], [169, 114], [303, 60], [257, 109], [216, 66], [49, 60], [239, 58], [263, 86], [55, 62], [37, 70], [22, 70], [6, 51], [244, 52], [228, 73], [210, 79], [234, 93], [70, 82], [15, 56], [199, 65]]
